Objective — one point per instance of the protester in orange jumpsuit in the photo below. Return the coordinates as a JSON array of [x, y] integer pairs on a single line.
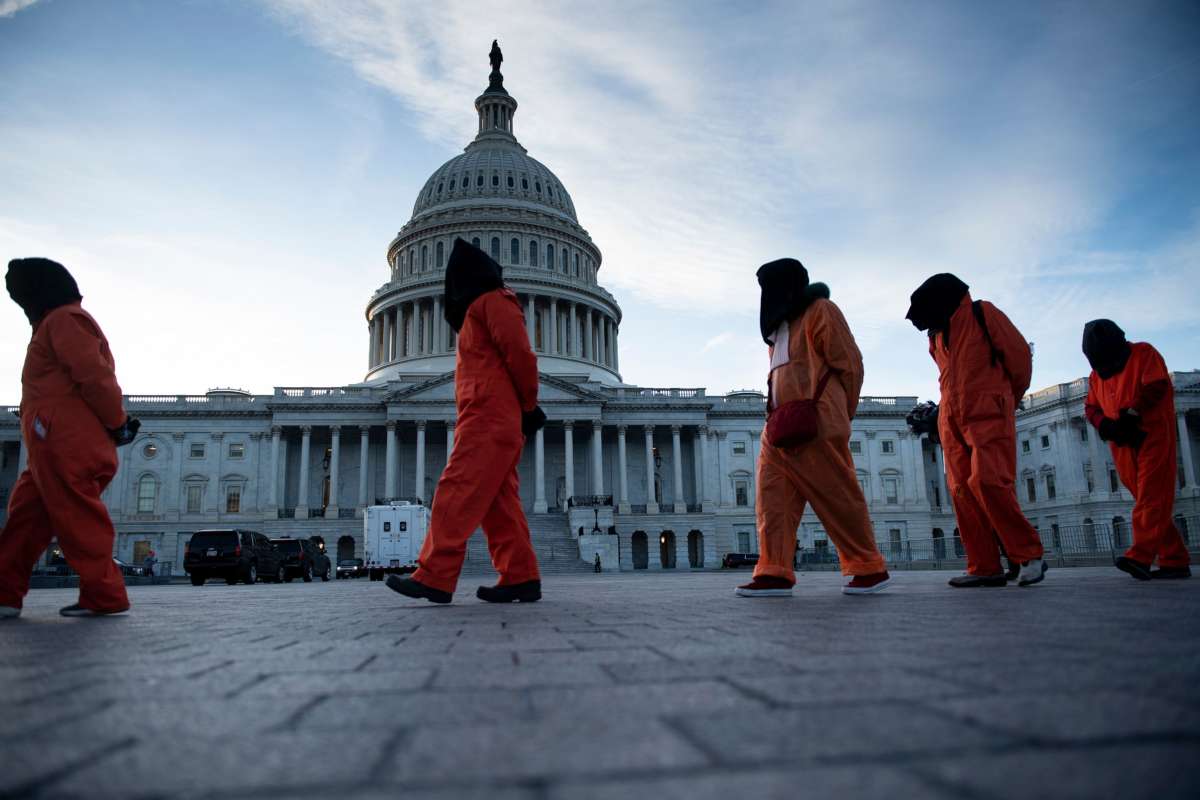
[[496, 388], [71, 420], [1131, 402], [808, 338], [985, 366]]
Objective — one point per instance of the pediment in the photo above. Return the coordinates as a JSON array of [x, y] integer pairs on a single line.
[[441, 390]]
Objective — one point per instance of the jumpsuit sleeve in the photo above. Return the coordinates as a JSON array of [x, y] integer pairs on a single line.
[[79, 347], [506, 326], [1018, 359], [1153, 381], [835, 344], [1091, 406]]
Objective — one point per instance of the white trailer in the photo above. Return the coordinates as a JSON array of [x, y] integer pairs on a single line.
[[393, 535]]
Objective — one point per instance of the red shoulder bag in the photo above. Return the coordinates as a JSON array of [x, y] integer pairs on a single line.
[[795, 422]]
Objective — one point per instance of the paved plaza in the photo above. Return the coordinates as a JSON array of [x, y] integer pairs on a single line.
[[615, 686]]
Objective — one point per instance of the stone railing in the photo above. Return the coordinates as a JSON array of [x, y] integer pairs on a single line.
[[191, 400], [325, 392], [671, 393], [590, 501]]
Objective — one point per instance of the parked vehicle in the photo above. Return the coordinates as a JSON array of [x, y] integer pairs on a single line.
[[129, 569], [735, 560], [392, 537], [350, 568], [233, 554], [303, 559]]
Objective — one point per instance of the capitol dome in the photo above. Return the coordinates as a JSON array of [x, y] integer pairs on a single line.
[[502, 200]]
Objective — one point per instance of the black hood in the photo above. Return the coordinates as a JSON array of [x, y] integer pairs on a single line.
[[39, 285], [470, 272], [784, 294], [1105, 346], [935, 301]]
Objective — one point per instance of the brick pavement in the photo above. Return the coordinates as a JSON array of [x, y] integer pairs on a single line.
[[614, 686]]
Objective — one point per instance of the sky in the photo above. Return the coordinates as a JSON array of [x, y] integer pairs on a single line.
[[223, 177]]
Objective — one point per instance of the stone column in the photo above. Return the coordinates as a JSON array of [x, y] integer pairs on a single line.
[[569, 457], [335, 449], [1099, 462], [698, 468], [622, 473], [177, 472], [420, 479], [256, 465], [572, 334], [941, 475], [553, 343], [919, 454], [364, 449], [597, 458], [651, 502], [530, 316], [302, 496], [276, 468], [906, 459], [726, 493], [387, 337], [539, 472], [218, 506], [872, 478], [449, 439], [616, 350], [587, 341], [439, 326], [389, 467], [702, 491], [1185, 449], [677, 466], [373, 332]]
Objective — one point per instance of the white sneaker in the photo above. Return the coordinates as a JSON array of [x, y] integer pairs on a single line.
[[1032, 571], [8, 612]]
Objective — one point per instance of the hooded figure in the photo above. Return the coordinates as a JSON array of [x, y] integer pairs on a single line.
[[71, 410], [496, 389], [984, 370], [808, 339], [1131, 403]]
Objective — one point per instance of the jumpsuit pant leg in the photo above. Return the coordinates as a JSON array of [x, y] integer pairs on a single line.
[[825, 470], [993, 443], [974, 527], [507, 532], [1149, 474], [24, 538], [465, 493], [778, 508]]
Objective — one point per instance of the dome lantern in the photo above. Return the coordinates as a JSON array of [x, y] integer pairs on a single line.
[[496, 106]]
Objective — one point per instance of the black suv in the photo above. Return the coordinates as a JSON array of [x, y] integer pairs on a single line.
[[303, 559], [735, 560], [235, 555]]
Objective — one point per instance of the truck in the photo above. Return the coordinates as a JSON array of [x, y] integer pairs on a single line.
[[392, 537]]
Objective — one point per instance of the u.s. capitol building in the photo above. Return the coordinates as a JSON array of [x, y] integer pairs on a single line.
[[670, 471]]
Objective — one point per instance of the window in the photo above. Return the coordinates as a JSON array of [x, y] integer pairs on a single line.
[[1114, 484], [564, 261], [1083, 433], [424, 257], [895, 540], [741, 491], [550, 256], [440, 188], [577, 265], [147, 494], [739, 448], [495, 180], [150, 450], [936, 493], [196, 450], [887, 447], [1091, 482], [1024, 445], [1051, 493], [475, 241], [856, 447], [514, 251], [743, 541], [891, 490], [1045, 442], [233, 500], [525, 184], [510, 181], [863, 483], [533, 252], [237, 450], [194, 494], [412, 255], [537, 185], [479, 180], [496, 248], [1031, 489], [441, 255]]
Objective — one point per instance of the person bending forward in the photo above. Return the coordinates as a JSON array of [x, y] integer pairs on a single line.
[[496, 388]]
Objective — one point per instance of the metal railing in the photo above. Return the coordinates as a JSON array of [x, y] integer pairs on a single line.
[[589, 501]]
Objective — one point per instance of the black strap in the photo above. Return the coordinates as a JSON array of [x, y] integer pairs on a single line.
[[977, 310]]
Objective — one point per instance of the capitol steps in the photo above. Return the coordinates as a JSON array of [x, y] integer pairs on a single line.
[[557, 551]]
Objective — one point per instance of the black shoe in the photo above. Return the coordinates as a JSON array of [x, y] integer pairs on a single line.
[[527, 592], [1014, 571], [79, 611], [1135, 568], [411, 588], [1168, 573], [969, 581]]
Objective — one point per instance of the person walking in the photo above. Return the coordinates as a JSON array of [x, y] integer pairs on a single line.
[[149, 563], [985, 366], [1131, 403], [496, 389], [815, 368], [72, 421]]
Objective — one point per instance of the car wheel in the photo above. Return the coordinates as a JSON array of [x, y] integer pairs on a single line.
[[197, 580], [287, 578], [308, 575], [325, 575], [281, 575], [251, 574]]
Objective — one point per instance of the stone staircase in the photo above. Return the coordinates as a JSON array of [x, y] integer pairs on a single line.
[[557, 550]]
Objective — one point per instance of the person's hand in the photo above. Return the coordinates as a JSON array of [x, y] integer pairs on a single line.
[[1109, 430], [1129, 425], [126, 433], [532, 421]]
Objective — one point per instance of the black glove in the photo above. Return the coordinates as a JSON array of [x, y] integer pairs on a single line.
[[1109, 430], [1129, 427], [532, 421], [127, 432]]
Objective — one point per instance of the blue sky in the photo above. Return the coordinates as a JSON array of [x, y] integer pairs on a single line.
[[224, 177]]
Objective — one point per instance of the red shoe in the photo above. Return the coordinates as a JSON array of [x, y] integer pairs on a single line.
[[766, 586], [867, 584]]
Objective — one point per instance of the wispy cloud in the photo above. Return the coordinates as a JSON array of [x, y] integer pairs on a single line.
[[11, 7], [717, 341]]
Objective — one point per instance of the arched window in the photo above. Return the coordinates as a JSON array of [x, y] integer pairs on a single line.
[[537, 186], [441, 255], [564, 261], [147, 494], [479, 180], [550, 256], [496, 248], [549, 190], [495, 179], [440, 188], [533, 252], [475, 241], [412, 254], [424, 257], [514, 251], [525, 184], [453, 181], [577, 265], [510, 181]]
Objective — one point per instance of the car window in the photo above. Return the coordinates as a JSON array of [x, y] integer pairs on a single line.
[[289, 546], [206, 539], [247, 540]]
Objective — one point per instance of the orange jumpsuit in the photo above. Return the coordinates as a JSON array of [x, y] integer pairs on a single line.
[[978, 428], [69, 397], [820, 472], [495, 379], [1149, 471]]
